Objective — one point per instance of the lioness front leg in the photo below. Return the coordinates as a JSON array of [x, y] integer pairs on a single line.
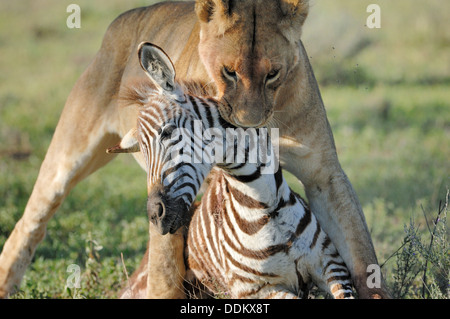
[[166, 268], [336, 206], [70, 158], [307, 150]]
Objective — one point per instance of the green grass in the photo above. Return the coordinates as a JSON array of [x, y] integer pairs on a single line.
[[387, 94]]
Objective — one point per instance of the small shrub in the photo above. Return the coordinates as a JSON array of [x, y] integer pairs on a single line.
[[422, 267]]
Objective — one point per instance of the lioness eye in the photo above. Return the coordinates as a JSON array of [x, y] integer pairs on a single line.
[[272, 76], [229, 73]]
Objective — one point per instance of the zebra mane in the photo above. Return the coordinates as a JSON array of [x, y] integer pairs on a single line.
[[198, 88], [139, 90]]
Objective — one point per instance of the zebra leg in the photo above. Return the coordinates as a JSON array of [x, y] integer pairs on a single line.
[[136, 285], [328, 270], [337, 278]]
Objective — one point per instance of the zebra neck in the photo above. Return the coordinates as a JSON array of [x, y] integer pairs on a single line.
[[252, 178], [264, 191]]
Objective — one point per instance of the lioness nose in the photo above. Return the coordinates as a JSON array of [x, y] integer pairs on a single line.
[[247, 121]]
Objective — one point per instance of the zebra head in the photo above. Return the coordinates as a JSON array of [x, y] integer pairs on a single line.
[[161, 136]]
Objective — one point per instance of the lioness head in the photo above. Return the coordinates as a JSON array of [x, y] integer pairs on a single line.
[[250, 48]]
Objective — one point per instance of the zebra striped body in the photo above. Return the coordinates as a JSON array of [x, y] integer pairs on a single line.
[[251, 236]]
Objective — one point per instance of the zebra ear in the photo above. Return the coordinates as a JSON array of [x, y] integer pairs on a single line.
[[158, 66], [129, 144]]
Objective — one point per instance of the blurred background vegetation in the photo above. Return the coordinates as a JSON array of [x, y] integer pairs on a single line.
[[387, 94]]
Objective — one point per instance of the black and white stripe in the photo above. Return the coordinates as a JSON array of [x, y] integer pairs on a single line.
[[251, 236]]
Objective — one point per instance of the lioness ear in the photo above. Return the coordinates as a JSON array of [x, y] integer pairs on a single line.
[[129, 144], [295, 9], [206, 8], [158, 66]]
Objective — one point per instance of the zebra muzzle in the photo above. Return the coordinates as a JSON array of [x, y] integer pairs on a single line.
[[166, 215], [156, 210]]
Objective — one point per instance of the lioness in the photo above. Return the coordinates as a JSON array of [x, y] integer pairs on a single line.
[[251, 52]]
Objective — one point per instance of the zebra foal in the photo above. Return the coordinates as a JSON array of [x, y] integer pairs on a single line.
[[251, 235]]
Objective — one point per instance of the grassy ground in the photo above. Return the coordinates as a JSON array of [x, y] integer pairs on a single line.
[[387, 93]]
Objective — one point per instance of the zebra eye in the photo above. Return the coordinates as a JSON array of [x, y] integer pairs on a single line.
[[229, 73], [166, 132]]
